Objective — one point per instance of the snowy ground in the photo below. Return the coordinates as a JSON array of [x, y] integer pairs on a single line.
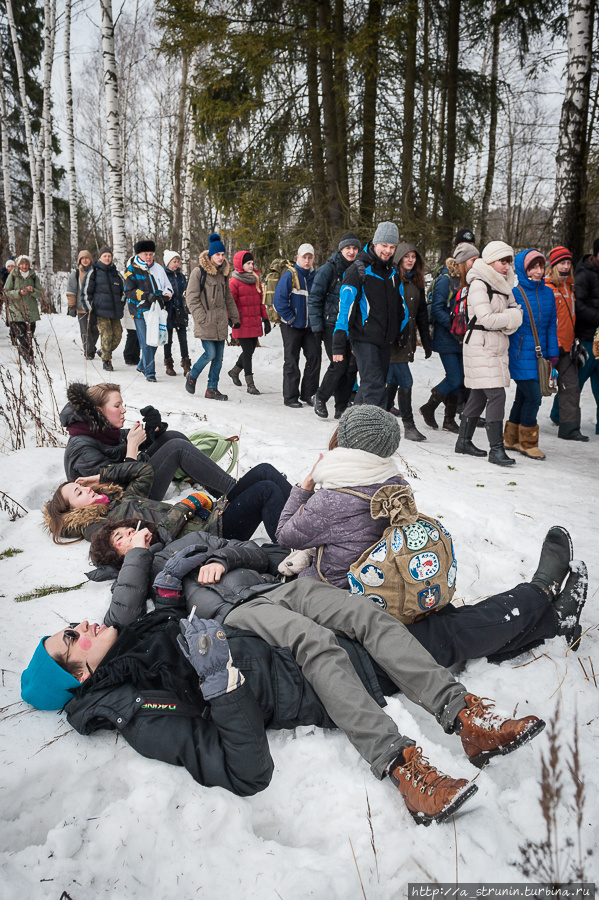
[[91, 817]]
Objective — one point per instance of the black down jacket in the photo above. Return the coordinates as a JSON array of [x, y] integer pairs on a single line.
[[103, 291], [145, 688]]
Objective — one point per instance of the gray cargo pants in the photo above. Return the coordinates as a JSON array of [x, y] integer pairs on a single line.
[[304, 616]]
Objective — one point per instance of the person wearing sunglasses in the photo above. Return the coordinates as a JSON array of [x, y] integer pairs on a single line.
[[493, 314]]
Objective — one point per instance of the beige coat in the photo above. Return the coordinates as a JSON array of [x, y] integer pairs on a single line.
[[486, 362], [212, 309]]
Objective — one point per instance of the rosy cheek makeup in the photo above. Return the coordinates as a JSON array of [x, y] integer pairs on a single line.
[[84, 643]]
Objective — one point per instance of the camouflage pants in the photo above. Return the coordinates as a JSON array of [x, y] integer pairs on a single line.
[[111, 332]]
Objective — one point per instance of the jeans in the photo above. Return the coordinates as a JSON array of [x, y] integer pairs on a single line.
[[400, 374], [526, 403], [258, 497], [213, 354], [373, 365], [454, 373], [591, 370], [146, 363]]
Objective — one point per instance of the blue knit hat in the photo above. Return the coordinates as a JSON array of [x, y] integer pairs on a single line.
[[215, 245], [45, 684]]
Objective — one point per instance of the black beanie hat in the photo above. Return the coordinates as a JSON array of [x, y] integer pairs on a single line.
[[144, 247], [349, 239], [464, 236]]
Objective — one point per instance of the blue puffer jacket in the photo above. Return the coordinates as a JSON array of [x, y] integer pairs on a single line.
[[291, 304], [523, 360], [444, 292], [178, 283]]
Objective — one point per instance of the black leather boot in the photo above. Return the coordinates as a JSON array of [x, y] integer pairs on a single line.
[[464, 442], [497, 452], [407, 416], [428, 410]]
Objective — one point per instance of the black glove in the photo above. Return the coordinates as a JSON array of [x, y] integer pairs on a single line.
[[234, 326], [204, 644], [267, 326], [153, 425], [160, 300], [72, 311], [428, 353]]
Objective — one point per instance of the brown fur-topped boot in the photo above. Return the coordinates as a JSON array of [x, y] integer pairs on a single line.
[[430, 795], [511, 437], [529, 442], [170, 368], [186, 364]]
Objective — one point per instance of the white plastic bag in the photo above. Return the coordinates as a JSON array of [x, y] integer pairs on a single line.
[[155, 319]]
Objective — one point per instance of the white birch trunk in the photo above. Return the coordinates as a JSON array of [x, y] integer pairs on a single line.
[[70, 135], [49, 29], [113, 137], [10, 222], [37, 202], [569, 217], [188, 190]]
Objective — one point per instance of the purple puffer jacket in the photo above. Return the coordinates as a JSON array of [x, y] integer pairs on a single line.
[[339, 522]]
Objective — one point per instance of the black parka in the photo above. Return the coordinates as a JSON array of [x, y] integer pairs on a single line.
[[103, 291]]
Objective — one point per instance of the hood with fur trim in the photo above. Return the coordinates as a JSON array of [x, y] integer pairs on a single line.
[[77, 521], [80, 408], [206, 263]]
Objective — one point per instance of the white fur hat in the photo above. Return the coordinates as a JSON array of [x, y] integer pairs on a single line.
[[496, 250], [169, 256]]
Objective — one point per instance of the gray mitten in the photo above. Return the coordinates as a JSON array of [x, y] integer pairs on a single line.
[[204, 643]]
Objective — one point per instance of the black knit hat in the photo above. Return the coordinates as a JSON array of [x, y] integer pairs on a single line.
[[464, 236], [144, 247], [369, 428], [104, 250], [349, 239]]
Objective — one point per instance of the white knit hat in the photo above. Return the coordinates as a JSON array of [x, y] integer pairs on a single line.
[[169, 256], [496, 250], [305, 248]]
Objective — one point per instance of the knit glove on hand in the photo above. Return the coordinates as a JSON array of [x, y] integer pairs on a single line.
[[267, 326], [199, 503], [72, 311], [203, 642], [235, 325], [153, 424]]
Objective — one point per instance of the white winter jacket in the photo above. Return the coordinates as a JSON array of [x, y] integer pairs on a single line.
[[486, 363]]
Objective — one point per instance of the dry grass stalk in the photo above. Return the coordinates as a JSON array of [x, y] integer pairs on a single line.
[[372, 841], [13, 508], [357, 868]]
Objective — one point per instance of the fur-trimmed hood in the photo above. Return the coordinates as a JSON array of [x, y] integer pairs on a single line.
[[206, 263], [491, 277], [77, 521], [80, 408]]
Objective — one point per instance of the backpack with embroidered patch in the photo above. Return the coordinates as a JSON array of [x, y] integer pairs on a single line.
[[276, 270], [411, 571]]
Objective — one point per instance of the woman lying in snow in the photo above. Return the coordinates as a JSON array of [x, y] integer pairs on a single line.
[[198, 694], [122, 491], [341, 526]]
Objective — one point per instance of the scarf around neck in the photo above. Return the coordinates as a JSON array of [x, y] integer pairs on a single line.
[[110, 436], [343, 467], [248, 278]]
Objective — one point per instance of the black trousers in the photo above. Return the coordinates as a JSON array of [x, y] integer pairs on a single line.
[[258, 497], [88, 327], [339, 378], [131, 351], [296, 341], [21, 334], [168, 347], [248, 345], [373, 365]]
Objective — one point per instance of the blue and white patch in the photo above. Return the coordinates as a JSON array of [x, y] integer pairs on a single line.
[[416, 536], [444, 530], [372, 575], [432, 531], [379, 553], [423, 566], [378, 601], [451, 575], [354, 585], [429, 598], [396, 540]]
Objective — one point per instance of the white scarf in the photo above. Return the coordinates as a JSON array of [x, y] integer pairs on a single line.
[[343, 467]]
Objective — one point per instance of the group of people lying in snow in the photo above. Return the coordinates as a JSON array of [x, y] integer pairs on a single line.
[[231, 647]]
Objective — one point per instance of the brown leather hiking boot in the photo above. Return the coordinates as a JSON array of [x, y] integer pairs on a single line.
[[430, 795], [485, 734]]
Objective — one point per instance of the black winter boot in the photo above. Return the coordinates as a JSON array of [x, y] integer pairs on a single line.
[[570, 431], [234, 375], [554, 564], [391, 392], [464, 442], [428, 410], [320, 407], [451, 408], [569, 603], [497, 452], [407, 416]]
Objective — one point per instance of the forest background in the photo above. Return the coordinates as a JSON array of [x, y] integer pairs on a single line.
[[277, 122]]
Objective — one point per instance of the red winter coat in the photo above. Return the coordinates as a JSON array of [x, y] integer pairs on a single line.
[[252, 310]]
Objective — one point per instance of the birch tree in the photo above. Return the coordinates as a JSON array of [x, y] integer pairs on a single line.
[[10, 222], [188, 189], [37, 202], [70, 134], [49, 31], [113, 136], [571, 158]]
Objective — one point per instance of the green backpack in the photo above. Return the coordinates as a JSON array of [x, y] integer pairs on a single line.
[[215, 446], [276, 269]]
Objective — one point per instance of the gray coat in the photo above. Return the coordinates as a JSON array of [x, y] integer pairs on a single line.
[[341, 523], [246, 575]]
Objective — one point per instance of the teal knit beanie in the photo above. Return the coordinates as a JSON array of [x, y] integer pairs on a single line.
[[45, 684]]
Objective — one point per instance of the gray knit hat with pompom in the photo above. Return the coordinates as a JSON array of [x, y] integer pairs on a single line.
[[369, 428]]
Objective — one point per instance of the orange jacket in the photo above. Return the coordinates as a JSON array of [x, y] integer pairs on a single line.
[[564, 301]]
